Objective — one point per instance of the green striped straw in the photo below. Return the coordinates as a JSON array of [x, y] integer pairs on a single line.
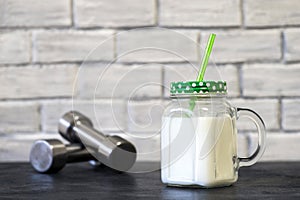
[[206, 55], [204, 63]]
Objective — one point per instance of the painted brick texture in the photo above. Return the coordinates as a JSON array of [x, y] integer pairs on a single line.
[[114, 61], [46, 13]]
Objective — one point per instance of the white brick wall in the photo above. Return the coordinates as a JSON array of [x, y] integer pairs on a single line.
[[16, 148], [19, 117], [291, 114], [11, 53], [280, 146], [119, 81], [145, 116], [241, 46], [292, 44], [60, 46], [200, 13], [106, 115], [271, 80], [117, 13], [16, 13], [148, 43], [268, 109], [156, 45], [37, 81], [271, 13]]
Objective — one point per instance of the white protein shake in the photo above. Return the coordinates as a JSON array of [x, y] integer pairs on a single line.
[[198, 151]]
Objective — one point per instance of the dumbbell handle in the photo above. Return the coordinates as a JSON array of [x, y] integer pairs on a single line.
[[91, 138], [112, 151], [77, 153], [49, 156]]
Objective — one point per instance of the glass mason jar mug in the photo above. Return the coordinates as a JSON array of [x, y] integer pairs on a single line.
[[199, 136]]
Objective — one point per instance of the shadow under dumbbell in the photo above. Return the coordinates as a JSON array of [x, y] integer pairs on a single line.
[[77, 176]]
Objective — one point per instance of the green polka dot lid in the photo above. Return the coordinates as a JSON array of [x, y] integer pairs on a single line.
[[198, 87]]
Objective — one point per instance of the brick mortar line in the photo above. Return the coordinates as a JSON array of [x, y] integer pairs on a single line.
[[248, 140], [33, 99], [242, 11], [122, 28], [280, 113], [12, 135], [163, 74], [115, 46], [271, 27], [47, 132], [292, 62], [240, 80], [126, 119], [72, 13], [254, 98], [198, 50], [117, 31], [254, 62], [157, 13], [83, 100], [31, 47], [269, 132], [269, 97], [254, 130], [140, 99], [267, 62], [282, 47], [40, 117], [291, 131], [41, 99]]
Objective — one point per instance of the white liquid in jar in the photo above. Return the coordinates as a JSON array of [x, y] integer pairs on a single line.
[[198, 151]]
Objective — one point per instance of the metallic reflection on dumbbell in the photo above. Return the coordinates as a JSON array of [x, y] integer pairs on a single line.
[[112, 151], [50, 156]]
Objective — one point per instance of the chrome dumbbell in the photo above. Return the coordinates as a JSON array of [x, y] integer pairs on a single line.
[[50, 156], [112, 151]]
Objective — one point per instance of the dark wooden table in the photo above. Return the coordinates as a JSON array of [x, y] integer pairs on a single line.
[[81, 181]]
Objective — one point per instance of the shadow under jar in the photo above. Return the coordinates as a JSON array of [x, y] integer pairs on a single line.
[[199, 136]]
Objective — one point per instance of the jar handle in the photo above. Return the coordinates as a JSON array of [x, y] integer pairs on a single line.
[[253, 116]]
